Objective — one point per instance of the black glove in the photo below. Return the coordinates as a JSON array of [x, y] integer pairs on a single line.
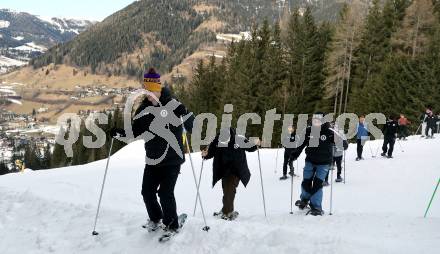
[[117, 132]]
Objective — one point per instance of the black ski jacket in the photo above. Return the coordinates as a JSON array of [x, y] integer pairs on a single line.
[[322, 154], [390, 129], [230, 159], [431, 121], [156, 147], [290, 138]]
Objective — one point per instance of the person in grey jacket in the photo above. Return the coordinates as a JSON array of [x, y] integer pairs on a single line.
[[338, 153]]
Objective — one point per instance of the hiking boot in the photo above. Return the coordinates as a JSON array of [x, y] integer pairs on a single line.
[[301, 204], [316, 212], [230, 216], [152, 226]]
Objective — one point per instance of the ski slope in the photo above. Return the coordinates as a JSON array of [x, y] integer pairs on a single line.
[[379, 209]]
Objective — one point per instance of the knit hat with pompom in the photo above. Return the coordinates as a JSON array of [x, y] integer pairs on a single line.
[[152, 81]]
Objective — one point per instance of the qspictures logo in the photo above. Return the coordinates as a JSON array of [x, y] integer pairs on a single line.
[[159, 120]]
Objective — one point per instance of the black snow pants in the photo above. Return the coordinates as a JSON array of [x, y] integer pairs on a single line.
[[388, 141], [160, 181]]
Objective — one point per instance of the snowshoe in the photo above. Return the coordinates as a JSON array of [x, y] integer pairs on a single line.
[[284, 177], [292, 173], [315, 212], [218, 214], [169, 232], [301, 204], [230, 216], [152, 226]]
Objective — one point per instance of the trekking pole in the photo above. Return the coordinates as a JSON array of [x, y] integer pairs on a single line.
[[415, 133], [344, 167], [401, 147], [432, 198], [261, 180], [371, 150], [331, 186], [276, 160], [291, 194], [198, 188], [377, 150], [102, 189], [206, 227]]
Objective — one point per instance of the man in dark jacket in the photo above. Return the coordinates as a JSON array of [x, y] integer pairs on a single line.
[[390, 130], [423, 119], [230, 166], [431, 124], [319, 140], [288, 154], [164, 149]]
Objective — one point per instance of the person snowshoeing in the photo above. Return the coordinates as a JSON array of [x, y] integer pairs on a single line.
[[338, 153], [403, 127], [390, 130], [230, 166], [160, 179], [288, 155], [319, 139], [431, 124], [361, 136], [423, 119]]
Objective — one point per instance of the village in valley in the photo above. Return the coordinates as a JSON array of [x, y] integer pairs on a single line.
[[37, 125]]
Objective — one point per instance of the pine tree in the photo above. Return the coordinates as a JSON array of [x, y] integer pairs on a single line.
[[340, 55], [47, 158], [373, 51], [412, 38], [306, 53], [3, 168]]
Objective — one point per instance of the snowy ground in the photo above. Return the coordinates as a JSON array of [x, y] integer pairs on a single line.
[[379, 209]]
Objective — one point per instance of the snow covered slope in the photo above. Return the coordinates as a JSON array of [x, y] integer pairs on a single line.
[[379, 209]]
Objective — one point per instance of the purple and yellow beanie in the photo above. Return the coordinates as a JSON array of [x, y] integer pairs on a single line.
[[152, 81]]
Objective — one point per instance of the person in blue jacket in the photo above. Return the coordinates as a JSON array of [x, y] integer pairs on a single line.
[[361, 136]]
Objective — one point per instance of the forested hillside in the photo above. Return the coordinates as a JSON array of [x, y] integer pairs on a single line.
[[386, 61], [162, 33]]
